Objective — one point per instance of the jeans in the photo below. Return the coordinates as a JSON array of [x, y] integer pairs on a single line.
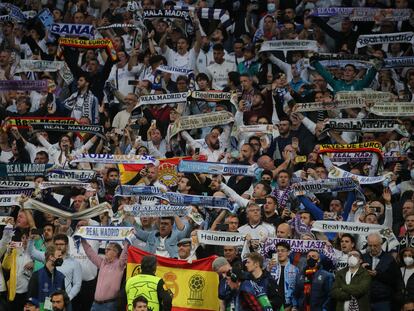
[[109, 306], [381, 306]]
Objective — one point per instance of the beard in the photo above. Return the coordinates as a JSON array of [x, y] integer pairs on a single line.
[[215, 145]]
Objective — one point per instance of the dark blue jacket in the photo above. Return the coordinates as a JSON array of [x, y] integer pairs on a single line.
[[321, 286]]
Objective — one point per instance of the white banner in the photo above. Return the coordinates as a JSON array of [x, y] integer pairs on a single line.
[[260, 128], [336, 104], [220, 238], [362, 125], [16, 184], [337, 172], [141, 210], [161, 99], [62, 183], [289, 45], [369, 96], [113, 159], [103, 233], [397, 37], [393, 109], [9, 199], [345, 227]]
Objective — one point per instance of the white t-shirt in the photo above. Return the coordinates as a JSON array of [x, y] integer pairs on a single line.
[[218, 73], [186, 61]]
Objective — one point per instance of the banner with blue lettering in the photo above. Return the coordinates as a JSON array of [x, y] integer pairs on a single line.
[[46, 18], [217, 168], [103, 233], [76, 30]]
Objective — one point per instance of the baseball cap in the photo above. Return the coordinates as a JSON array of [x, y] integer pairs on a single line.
[[32, 301], [184, 241]]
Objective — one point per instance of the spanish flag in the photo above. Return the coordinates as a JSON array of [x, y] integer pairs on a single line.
[[167, 171], [194, 285]]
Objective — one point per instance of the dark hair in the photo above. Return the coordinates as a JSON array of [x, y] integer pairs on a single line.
[[66, 299], [43, 153], [169, 218], [148, 265], [118, 248], [112, 169], [351, 65], [202, 76], [283, 244], [139, 299], [283, 171], [49, 224], [61, 237], [218, 47], [182, 78], [266, 186], [234, 77]]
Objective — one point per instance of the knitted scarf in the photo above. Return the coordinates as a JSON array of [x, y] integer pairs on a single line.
[[307, 287], [87, 107]]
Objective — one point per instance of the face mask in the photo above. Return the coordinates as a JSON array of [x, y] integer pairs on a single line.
[[271, 7], [412, 174], [311, 262], [352, 261], [58, 262], [408, 261], [112, 183]]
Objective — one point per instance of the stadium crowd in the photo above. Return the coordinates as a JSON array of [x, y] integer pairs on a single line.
[[271, 137]]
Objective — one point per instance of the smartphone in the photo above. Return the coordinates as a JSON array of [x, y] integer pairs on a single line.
[[197, 151], [247, 105], [260, 201], [154, 122], [329, 215], [360, 204]]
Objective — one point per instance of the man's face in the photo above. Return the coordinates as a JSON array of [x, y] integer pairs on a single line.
[[346, 245], [268, 24], [374, 245], [409, 222], [58, 303], [251, 265], [4, 58], [305, 218], [41, 159], [270, 205], [161, 27], [284, 127], [238, 49], [61, 246], [230, 253], [283, 179], [407, 208], [349, 73], [152, 173], [411, 81], [78, 18], [246, 152], [283, 231], [218, 56], [282, 253], [202, 84], [182, 45], [165, 227], [253, 214], [141, 306], [233, 223], [77, 201], [183, 184], [184, 250], [259, 191], [82, 83], [246, 83], [335, 206], [30, 307], [47, 233]]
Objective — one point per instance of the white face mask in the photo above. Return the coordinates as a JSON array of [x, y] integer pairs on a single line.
[[352, 261], [408, 261], [271, 7]]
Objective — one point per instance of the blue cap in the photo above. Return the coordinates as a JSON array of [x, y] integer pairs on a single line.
[[33, 301]]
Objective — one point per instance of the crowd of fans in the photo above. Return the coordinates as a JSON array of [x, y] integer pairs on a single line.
[[46, 267]]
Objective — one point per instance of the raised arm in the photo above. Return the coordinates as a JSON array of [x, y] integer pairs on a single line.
[[92, 255]]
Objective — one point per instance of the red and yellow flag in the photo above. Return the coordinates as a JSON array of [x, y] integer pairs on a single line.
[[167, 170], [194, 285]]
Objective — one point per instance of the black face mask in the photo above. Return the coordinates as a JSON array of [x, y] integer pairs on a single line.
[[58, 262], [311, 262]]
